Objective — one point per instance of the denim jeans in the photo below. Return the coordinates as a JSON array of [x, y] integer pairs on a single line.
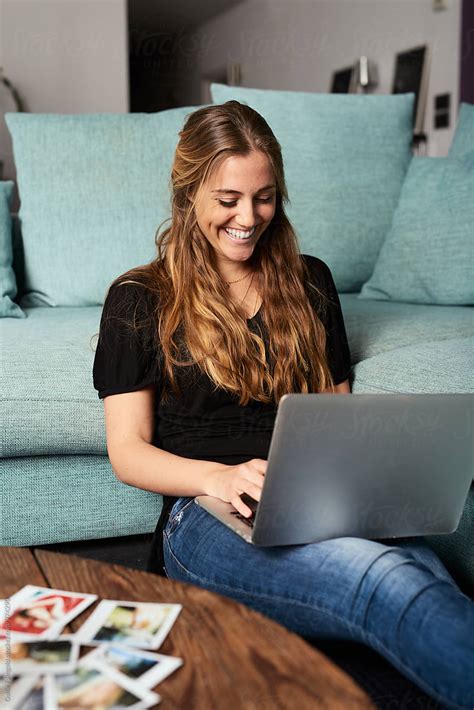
[[397, 598]]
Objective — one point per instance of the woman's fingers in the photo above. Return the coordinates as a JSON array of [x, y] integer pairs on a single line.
[[253, 490], [233, 481], [252, 486], [240, 506]]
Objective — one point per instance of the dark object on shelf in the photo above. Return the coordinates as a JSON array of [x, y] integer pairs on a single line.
[[419, 144], [361, 78], [341, 81], [411, 75], [442, 107]]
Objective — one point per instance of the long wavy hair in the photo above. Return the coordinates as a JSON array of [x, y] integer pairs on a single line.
[[194, 321]]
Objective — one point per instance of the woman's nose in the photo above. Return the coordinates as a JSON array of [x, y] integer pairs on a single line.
[[246, 215]]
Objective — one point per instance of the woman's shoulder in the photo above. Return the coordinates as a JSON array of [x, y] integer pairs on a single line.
[[129, 311], [132, 288], [125, 287], [318, 270]]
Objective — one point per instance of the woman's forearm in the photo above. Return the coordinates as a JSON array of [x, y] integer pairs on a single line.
[[145, 466]]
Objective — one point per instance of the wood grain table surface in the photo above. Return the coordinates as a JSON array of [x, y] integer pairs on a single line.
[[233, 657]]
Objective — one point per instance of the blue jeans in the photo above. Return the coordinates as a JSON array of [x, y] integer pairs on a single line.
[[398, 599]]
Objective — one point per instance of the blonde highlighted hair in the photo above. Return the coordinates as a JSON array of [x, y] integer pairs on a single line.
[[194, 321]]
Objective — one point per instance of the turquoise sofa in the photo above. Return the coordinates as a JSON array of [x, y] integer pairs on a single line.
[[56, 481]]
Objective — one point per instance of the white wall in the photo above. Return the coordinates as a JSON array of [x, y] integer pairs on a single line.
[[63, 56], [297, 44]]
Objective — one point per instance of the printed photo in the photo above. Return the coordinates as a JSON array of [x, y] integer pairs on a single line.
[[39, 612], [140, 624], [24, 693], [20, 657], [95, 690], [148, 668], [34, 700]]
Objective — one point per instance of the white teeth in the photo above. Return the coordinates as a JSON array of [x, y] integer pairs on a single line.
[[240, 234]]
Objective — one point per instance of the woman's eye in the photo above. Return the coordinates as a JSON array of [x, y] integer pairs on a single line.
[[227, 204], [234, 202]]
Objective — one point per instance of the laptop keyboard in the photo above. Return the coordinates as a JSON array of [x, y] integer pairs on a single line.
[[248, 521]]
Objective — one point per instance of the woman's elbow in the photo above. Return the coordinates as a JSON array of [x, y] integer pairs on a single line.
[[341, 388]]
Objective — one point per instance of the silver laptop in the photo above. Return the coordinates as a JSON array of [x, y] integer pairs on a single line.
[[361, 465]]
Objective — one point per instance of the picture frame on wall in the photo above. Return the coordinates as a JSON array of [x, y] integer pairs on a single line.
[[411, 74], [342, 81]]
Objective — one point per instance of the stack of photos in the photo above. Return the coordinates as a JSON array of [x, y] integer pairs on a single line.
[[41, 667]]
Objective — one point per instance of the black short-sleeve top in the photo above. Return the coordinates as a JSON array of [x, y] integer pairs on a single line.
[[206, 423]]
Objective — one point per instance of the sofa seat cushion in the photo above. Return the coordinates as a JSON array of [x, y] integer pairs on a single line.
[[50, 499], [376, 327], [435, 366], [49, 404]]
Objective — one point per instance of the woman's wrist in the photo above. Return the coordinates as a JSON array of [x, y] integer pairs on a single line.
[[209, 478]]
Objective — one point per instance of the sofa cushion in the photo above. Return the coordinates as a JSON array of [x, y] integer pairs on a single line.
[[8, 290], [463, 141], [93, 188], [345, 158], [49, 404], [429, 252], [445, 366], [49, 499], [375, 327]]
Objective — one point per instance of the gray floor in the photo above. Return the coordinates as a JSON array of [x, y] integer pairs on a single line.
[[388, 689]]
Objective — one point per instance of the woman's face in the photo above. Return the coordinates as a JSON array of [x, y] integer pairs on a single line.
[[235, 207]]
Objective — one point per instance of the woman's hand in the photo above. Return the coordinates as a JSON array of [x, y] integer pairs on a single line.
[[229, 482]]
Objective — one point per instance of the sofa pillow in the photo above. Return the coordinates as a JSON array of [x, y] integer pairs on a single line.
[[93, 188], [463, 141], [436, 366], [8, 290], [345, 158], [428, 254]]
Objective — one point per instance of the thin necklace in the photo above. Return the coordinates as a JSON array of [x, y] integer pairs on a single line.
[[241, 279], [248, 289], [254, 312]]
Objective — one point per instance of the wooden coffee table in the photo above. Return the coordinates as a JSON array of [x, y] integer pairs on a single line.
[[233, 657]]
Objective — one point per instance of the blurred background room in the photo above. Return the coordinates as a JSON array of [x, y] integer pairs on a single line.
[[96, 56]]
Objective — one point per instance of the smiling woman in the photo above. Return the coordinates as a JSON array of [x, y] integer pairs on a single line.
[[191, 386], [231, 253], [234, 226]]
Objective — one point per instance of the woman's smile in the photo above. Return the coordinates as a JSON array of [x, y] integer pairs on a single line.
[[239, 235]]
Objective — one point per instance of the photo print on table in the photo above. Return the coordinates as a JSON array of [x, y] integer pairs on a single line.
[[146, 667], [142, 624], [22, 657], [24, 693], [90, 688], [40, 612]]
